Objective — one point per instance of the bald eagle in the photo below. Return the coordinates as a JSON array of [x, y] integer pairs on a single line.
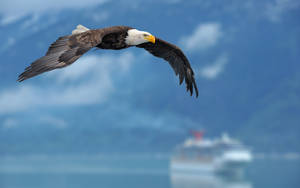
[[67, 49]]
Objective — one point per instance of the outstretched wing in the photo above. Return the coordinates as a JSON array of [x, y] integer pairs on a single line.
[[176, 59], [63, 52]]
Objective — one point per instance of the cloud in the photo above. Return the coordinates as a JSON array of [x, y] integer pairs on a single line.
[[94, 65], [54, 121], [99, 16], [51, 120], [275, 10], [10, 41], [16, 8], [8, 19], [9, 123], [88, 81], [131, 117], [16, 99], [204, 36], [215, 69], [30, 22], [160, 122]]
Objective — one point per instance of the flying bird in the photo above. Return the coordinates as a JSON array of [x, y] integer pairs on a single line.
[[67, 49]]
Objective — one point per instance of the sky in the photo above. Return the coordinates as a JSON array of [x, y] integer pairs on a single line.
[[244, 55]]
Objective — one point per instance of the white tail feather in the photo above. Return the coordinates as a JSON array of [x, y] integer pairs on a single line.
[[79, 29]]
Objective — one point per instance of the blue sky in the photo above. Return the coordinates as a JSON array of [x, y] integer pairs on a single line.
[[244, 54]]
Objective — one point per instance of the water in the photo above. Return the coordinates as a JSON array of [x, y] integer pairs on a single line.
[[136, 171]]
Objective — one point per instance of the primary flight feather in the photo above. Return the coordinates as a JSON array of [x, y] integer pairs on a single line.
[[67, 49]]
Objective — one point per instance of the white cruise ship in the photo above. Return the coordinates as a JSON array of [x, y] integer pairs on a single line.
[[222, 156]]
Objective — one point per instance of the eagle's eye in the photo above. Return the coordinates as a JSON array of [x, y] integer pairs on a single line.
[[145, 35]]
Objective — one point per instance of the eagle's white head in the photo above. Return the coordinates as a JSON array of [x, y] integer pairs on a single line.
[[136, 37]]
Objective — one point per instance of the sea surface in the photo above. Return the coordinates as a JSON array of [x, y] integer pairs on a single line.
[[138, 171]]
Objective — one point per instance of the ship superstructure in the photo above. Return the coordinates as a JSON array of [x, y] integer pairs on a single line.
[[219, 156]]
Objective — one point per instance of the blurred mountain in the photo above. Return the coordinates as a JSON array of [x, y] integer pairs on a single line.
[[247, 73]]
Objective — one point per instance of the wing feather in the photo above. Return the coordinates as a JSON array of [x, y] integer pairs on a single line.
[[63, 52], [176, 59]]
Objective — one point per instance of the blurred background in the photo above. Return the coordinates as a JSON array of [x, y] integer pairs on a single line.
[[113, 118]]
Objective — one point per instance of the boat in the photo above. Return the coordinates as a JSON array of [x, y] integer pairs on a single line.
[[219, 156]]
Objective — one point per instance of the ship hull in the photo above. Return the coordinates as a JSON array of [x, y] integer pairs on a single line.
[[191, 167], [232, 169]]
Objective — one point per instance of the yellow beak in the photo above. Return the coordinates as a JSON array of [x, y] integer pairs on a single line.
[[150, 38]]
